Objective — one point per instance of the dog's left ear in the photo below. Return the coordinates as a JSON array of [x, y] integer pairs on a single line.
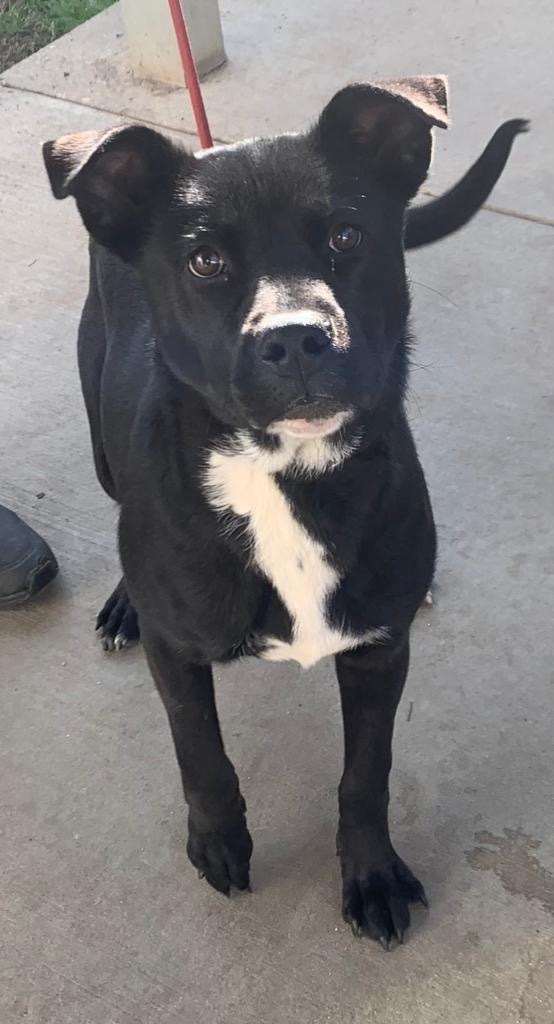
[[384, 129]]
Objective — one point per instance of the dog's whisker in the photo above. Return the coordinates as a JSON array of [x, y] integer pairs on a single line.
[[429, 288]]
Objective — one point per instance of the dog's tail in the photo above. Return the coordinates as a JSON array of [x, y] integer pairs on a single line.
[[442, 216]]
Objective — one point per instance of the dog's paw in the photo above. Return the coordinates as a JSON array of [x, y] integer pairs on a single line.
[[221, 855], [117, 621], [376, 902]]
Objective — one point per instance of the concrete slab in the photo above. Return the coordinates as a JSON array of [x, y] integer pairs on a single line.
[[102, 920], [285, 60]]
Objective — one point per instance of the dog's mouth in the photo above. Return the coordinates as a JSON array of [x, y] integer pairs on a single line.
[[311, 420]]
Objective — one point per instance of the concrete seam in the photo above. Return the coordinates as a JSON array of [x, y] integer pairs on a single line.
[[105, 110], [502, 211]]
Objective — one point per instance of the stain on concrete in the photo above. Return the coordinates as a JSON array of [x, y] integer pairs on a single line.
[[408, 794], [514, 863], [536, 1000]]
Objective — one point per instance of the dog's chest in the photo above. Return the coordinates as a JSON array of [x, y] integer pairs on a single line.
[[294, 562]]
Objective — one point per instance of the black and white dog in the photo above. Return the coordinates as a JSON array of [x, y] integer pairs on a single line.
[[244, 352]]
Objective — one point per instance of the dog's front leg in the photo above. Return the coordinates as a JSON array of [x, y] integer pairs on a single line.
[[377, 885], [219, 844]]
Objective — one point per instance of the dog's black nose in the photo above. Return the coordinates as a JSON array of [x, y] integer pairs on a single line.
[[293, 344]]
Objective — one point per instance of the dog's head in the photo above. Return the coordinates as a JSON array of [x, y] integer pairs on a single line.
[[274, 267]]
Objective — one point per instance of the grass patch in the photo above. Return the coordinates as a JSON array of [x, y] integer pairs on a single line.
[[53, 17], [26, 25]]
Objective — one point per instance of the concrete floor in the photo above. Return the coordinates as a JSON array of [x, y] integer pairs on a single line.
[[102, 919]]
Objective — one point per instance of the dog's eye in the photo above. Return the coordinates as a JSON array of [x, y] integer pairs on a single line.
[[206, 262], [345, 237]]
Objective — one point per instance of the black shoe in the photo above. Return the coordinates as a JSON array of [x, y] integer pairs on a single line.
[[26, 562]]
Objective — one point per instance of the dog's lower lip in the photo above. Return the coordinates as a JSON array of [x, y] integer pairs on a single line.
[[320, 426]]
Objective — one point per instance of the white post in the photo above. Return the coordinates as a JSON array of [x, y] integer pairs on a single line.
[[151, 38]]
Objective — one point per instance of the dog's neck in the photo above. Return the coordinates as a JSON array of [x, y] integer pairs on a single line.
[[309, 457]]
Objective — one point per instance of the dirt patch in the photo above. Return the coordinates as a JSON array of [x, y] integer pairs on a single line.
[[514, 863]]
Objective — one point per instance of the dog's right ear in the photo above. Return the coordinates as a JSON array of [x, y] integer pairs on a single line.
[[117, 178]]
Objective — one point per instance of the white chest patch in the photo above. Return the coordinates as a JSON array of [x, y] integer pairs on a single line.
[[241, 480]]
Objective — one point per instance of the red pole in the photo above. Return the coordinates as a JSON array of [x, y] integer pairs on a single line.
[[191, 74]]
